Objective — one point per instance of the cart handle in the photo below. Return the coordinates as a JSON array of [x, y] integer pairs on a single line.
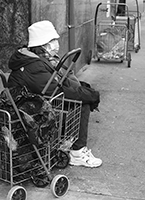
[[97, 9], [75, 53], [96, 12]]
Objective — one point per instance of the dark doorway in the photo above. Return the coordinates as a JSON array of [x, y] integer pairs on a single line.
[[121, 8]]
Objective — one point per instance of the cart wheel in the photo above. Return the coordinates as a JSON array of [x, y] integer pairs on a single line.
[[63, 159], [41, 180], [129, 60], [59, 185], [17, 193], [89, 57], [137, 49]]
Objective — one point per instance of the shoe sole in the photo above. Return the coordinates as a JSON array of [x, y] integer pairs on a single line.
[[82, 165]]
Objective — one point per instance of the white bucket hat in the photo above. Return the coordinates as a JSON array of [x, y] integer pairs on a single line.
[[41, 33]]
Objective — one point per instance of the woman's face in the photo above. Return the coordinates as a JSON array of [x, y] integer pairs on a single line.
[[52, 47]]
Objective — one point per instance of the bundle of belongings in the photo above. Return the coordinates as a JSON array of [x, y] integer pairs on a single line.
[[40, 120]]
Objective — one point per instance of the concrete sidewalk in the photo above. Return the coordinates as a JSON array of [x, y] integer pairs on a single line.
[[116, 135]]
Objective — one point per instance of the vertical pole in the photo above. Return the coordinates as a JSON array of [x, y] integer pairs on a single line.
[[29, 12], [71, 27], [138, 24], [108, 9]]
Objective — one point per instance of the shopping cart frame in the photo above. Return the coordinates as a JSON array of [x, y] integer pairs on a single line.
[[59, 179], [111, 22]]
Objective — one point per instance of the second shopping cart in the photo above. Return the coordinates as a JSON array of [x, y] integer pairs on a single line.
[[111, 36]]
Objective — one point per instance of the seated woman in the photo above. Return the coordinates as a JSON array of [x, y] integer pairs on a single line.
[[31, 67]]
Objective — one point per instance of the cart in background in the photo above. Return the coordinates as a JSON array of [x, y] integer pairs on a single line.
[[110, 35]]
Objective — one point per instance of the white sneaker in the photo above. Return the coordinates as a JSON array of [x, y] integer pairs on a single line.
[[84, 157]]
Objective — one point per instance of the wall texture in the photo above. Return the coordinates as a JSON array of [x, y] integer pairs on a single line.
[[14, 20]]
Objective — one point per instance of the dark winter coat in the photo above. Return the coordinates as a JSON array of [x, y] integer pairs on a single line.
[[33, 72]]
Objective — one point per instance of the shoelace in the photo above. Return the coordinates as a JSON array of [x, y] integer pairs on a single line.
[[87, 152]]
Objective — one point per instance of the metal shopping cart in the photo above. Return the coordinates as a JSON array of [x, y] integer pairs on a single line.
[[36, 133], [111, 36]]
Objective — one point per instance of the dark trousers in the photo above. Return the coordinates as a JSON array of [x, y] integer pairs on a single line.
[[83, 133]]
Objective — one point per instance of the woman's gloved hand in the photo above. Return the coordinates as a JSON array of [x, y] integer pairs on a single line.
[[94, 106]]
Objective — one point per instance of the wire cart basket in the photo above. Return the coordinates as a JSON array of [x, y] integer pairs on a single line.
[[21, 157], [111, 36]]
